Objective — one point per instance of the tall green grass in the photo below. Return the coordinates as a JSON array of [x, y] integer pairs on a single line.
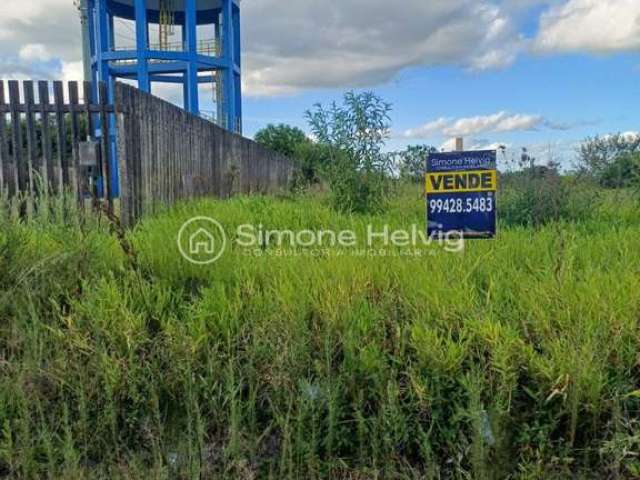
[[517, 358]]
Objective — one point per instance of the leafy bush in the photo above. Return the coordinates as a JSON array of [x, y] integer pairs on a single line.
[[623, 172], [312, 160], [310, 157], [610, 159], [411, 163], [281, 138], [355, 133]]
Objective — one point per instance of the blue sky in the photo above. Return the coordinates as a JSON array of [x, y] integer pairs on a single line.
[[572, 93], [584, 94], [541, 74]]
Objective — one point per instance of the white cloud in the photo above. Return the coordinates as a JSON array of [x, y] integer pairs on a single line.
[[15, 69], [434, 127], [355, 43], [498, 122], [53, 24], [630, 136], [37, 38], [491, 146], [351, 43], [462, 127], [72, 71], [34, 51], [590, 25], [450, 146], [348, 43], [523, 4], [495, 59], [503, 45]]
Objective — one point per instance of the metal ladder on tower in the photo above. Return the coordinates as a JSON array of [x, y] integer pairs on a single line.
[[167, 23]]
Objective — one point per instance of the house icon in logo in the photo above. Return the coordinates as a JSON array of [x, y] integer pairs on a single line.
[[206, 245], [202, 243]]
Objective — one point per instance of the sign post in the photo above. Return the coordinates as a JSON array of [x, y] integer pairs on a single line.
[[461, 192]]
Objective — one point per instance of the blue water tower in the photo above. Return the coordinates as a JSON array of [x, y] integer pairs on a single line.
[[194, 44]]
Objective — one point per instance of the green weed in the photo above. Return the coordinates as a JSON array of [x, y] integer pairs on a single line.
[[516, 358]]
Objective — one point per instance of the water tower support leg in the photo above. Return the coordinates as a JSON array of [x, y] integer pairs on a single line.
[[192, 51], [228, 46], [142, 41]]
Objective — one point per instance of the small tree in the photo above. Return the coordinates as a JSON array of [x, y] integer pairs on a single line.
[[355, 134], [608, 159], [621, 172], [282, 138], [411, 163]]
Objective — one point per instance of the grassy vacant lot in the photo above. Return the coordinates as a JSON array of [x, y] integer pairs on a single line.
[[518, 358]]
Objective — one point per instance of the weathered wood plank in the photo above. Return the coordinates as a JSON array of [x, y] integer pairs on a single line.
[[139, 174], [5, 184], [172, 171], [87, 93], [88, 99], [20, 166], [62, 160], [75, 143], [124, 138], [47, 170], [147, 152], [32, 147]]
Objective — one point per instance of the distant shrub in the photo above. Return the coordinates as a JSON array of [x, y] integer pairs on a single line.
[[282, 138], [537, 196], [623, 172], [411, 163], [312, 160], [611, 160]]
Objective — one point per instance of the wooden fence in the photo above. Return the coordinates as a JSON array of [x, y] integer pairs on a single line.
[[47, 147], [167, 155], [164, 153]]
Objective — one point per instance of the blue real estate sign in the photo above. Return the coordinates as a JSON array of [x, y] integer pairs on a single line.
[[461, 193]]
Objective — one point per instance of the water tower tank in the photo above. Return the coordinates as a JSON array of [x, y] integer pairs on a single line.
[[194, 44]]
